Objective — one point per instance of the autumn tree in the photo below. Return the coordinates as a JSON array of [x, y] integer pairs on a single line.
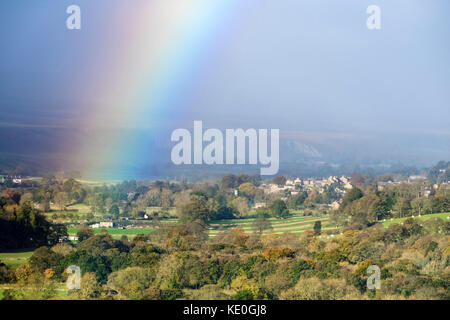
[[84, 233], [279, 180], [90, 288], [61, 200], [262, 223], [241, 206], [279, 209], [248, 190], [196, 209]]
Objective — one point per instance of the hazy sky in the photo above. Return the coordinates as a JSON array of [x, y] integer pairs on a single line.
[[310, 68]]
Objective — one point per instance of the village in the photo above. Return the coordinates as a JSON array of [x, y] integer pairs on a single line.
[[291, 187]]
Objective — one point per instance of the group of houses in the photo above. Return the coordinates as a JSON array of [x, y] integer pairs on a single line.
[[427, 186], [296, 185], [14, 179], [103, 224]]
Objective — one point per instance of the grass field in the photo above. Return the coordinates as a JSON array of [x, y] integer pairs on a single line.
[[444, 216], [15, 259], [295, 224], [171, 212], [132, 232], [81, 211], [79, 207], [60, 293]]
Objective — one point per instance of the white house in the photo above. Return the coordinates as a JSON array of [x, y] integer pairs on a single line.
[[259, 205], [106, 224]]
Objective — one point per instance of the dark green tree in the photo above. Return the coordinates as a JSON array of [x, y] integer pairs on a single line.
[[279, 209], [84, 233], [318, 228]]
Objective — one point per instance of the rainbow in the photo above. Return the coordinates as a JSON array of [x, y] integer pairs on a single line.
[[146, 53]]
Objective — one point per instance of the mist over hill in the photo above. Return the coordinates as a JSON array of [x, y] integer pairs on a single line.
[[37, 151]]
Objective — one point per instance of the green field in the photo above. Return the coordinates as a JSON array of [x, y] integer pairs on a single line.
[[115, 231], [15, 259], [79, 209], [171, 211], [295, 224], [82, 210], [444, 216], [61, 292]]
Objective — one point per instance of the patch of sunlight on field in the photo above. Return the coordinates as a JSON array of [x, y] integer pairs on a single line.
[[445, 216], [295, 224], [17, 258]]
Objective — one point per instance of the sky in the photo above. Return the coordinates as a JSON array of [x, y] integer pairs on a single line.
[[106, 97]]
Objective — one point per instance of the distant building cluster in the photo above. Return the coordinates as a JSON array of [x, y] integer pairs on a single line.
[[297, 185], [410, 179], [427, 186], [104, 224], [14, 179]]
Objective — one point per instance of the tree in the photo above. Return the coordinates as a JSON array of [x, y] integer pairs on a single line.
[[97, 263], [279, 209], [101, 242], [262, 223], [296, 201], [145, 255], [56, 234], [241, 206], [228, 181], [94, 202], [317, 289], [44, 258], [6, 274], [140, 238], [224, 212], [244, 294], [280, 180], [90, 288], [350, 196], [27, 197], [32, 284], [317, 228], [114, 210], [196, 209], [44, 205], [132, 282], [404, 207], [248, 189], [63, 249], [61, 199], [357, 180], [84, 233], [378, 209], [179, 270]]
